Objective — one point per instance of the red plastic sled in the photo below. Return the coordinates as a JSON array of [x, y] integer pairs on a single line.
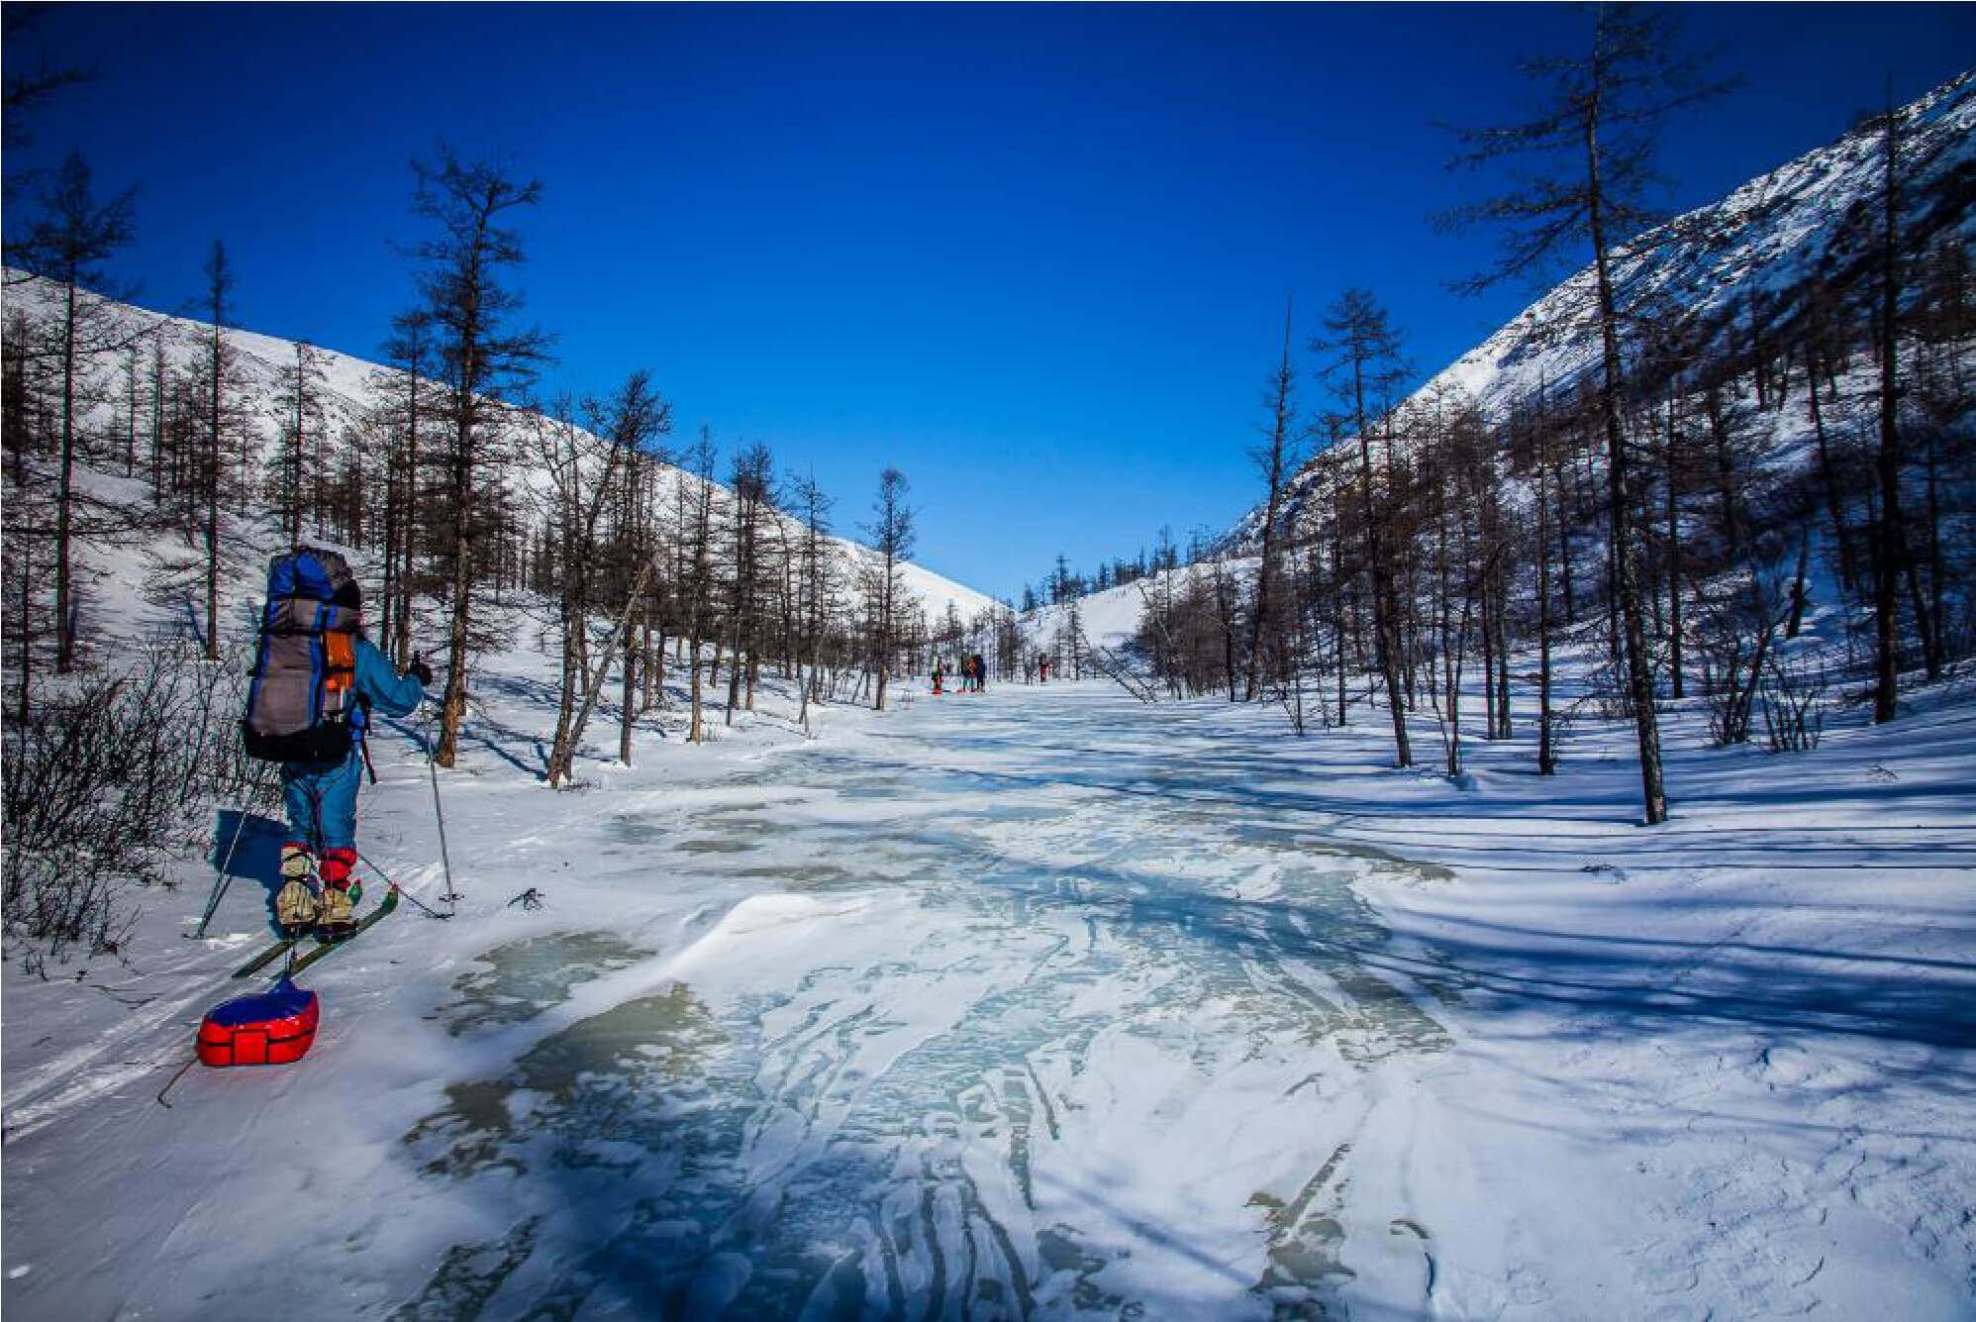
[[267, 1028]]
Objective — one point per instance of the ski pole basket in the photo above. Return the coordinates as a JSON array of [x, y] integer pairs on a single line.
[[266, 1028]]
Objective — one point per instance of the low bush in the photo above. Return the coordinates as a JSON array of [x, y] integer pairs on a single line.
[[107, 782], [1793, 706]]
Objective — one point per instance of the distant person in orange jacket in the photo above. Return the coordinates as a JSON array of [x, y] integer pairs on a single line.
[[1043, 666]]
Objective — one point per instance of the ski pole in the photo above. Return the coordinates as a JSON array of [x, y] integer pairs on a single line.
[[222, 879], [390, 881], [452, 896], [173, 1082]]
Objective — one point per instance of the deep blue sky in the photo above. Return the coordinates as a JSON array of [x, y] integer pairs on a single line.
[[1036, 257]]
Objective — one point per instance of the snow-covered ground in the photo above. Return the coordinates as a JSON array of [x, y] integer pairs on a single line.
[[1045, 1002]]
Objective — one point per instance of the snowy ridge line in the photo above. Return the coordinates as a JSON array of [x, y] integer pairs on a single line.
[[1758, 241], [351, 389]]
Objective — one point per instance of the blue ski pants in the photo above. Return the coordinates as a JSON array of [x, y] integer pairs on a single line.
[[322, 802]]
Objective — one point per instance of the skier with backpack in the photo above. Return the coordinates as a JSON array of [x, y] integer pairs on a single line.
[[315, 680]]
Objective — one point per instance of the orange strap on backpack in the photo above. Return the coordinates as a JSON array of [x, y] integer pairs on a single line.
[[340, 654]]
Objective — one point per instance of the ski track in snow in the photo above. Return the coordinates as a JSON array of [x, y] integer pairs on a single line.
[[1047, 1004]]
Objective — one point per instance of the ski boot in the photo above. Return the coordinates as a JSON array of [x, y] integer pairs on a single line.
[[295, 905], [336, 916]]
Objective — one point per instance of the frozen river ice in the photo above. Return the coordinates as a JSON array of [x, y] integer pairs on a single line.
[[1054, 1013]]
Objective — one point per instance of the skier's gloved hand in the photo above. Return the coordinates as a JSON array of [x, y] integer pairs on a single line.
[[420, 671]]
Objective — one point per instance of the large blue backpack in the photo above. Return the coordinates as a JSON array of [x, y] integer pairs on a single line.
[[302, 703]]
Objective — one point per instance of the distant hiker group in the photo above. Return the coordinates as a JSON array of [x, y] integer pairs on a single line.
[[315, 681], [974, 675]]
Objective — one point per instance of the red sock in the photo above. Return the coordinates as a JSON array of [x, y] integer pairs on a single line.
[[337, 864]]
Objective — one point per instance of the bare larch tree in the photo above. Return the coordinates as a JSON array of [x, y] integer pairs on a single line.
[[1595, 135], [484, 359]]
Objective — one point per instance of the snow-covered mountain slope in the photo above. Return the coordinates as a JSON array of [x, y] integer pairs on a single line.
[[1754, 249], [351, 387], [1110, 618]]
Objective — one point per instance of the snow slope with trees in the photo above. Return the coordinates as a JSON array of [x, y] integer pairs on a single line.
[[1732, 421], [123, 407], [1759, 264]]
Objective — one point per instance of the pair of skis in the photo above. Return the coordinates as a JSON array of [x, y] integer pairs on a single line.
[[323, 951]]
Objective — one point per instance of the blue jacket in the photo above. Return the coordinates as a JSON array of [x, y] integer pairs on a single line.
[[387, 690], [322, 801]]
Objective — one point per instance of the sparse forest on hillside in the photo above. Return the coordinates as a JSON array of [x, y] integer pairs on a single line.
[[1799, 438]]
